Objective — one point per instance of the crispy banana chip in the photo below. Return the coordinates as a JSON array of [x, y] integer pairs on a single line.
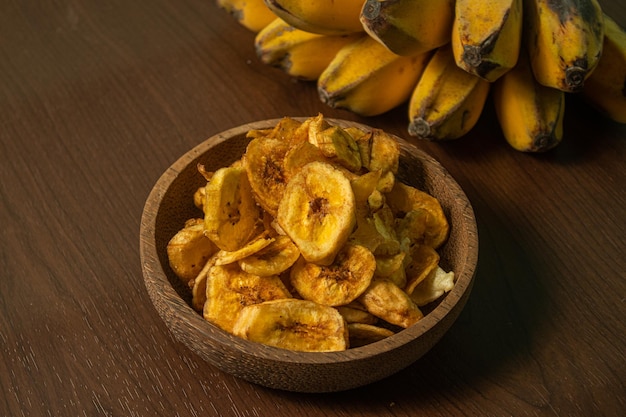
[[274, 259], [387, 301], [336, 284], [404, 198], [189, 249], [298, 156], [361, 334], [317, 211], [384, 157], [424, 260], [258, 243], [293, 324], [356, 313], [263, 161], [230, 212], [229, 289], [436, 284], [198, 289], [339, 146]]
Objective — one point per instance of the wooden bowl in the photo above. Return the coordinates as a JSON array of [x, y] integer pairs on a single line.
[[170, 203]]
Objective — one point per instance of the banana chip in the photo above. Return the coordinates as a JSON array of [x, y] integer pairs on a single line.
[[274, 259], [339, 283], [317, 211], [189, 249], [230, 212], [387, 301], [356, 313], [436, 284], [362, 334], [263, 161], [228, 257], [424, 260], [229, 289], [293, 324], [404, 198]]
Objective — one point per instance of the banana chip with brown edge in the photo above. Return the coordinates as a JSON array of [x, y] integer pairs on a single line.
[[354, 312], [317, 211], [229, 289], [384, 157], [365, 233], [436, 284], [293, 324], [230, 212], [404, 198], [256, 244], [298, 156], [361, 334], [339, 146], [387, 301], [423, 260], [189, 249], [198, 285], [273, 259], [384, 222], [263, 162], [287, 130], [336, 284]]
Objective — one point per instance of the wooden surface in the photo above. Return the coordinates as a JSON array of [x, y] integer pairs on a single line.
[[98, 98]]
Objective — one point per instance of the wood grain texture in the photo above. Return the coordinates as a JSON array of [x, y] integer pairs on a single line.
[[98, 98]]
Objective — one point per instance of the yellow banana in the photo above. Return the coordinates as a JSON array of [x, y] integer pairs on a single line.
[[530, 114], [367, 79], [447, 101], [564, 39], [605, 89], [326, 17], [486, 36], [252, 14], [409, 27], [301, 54]]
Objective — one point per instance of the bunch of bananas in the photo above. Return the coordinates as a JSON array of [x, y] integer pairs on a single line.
[[446, 58]]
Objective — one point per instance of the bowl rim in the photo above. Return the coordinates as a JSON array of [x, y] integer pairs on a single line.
[[155, 279]]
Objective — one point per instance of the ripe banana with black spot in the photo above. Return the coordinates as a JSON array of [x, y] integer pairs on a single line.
[[303, 55], [564, 39], [409, 27], [605, 89], [447, 101], [368, 79], [326, 17], [252, 14], [530, 114], [486, 36]]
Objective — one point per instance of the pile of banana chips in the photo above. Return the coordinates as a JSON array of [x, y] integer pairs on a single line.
[[309, 242]]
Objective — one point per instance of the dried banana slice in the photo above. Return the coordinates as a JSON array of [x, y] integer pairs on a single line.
[[356, 313], [404, 198], [198, 288], [317, 211], [189, 249], [436, 284], [274, 259], [339, 146], [230, 213], [263, 161], [384, 157], [424, 260], [387, 301], [229, 289], [298, 156], [339, 283], [361, 334], [293, 324], [258, 243]]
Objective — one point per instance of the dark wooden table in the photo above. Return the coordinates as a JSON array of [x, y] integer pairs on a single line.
[[98, 98]]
